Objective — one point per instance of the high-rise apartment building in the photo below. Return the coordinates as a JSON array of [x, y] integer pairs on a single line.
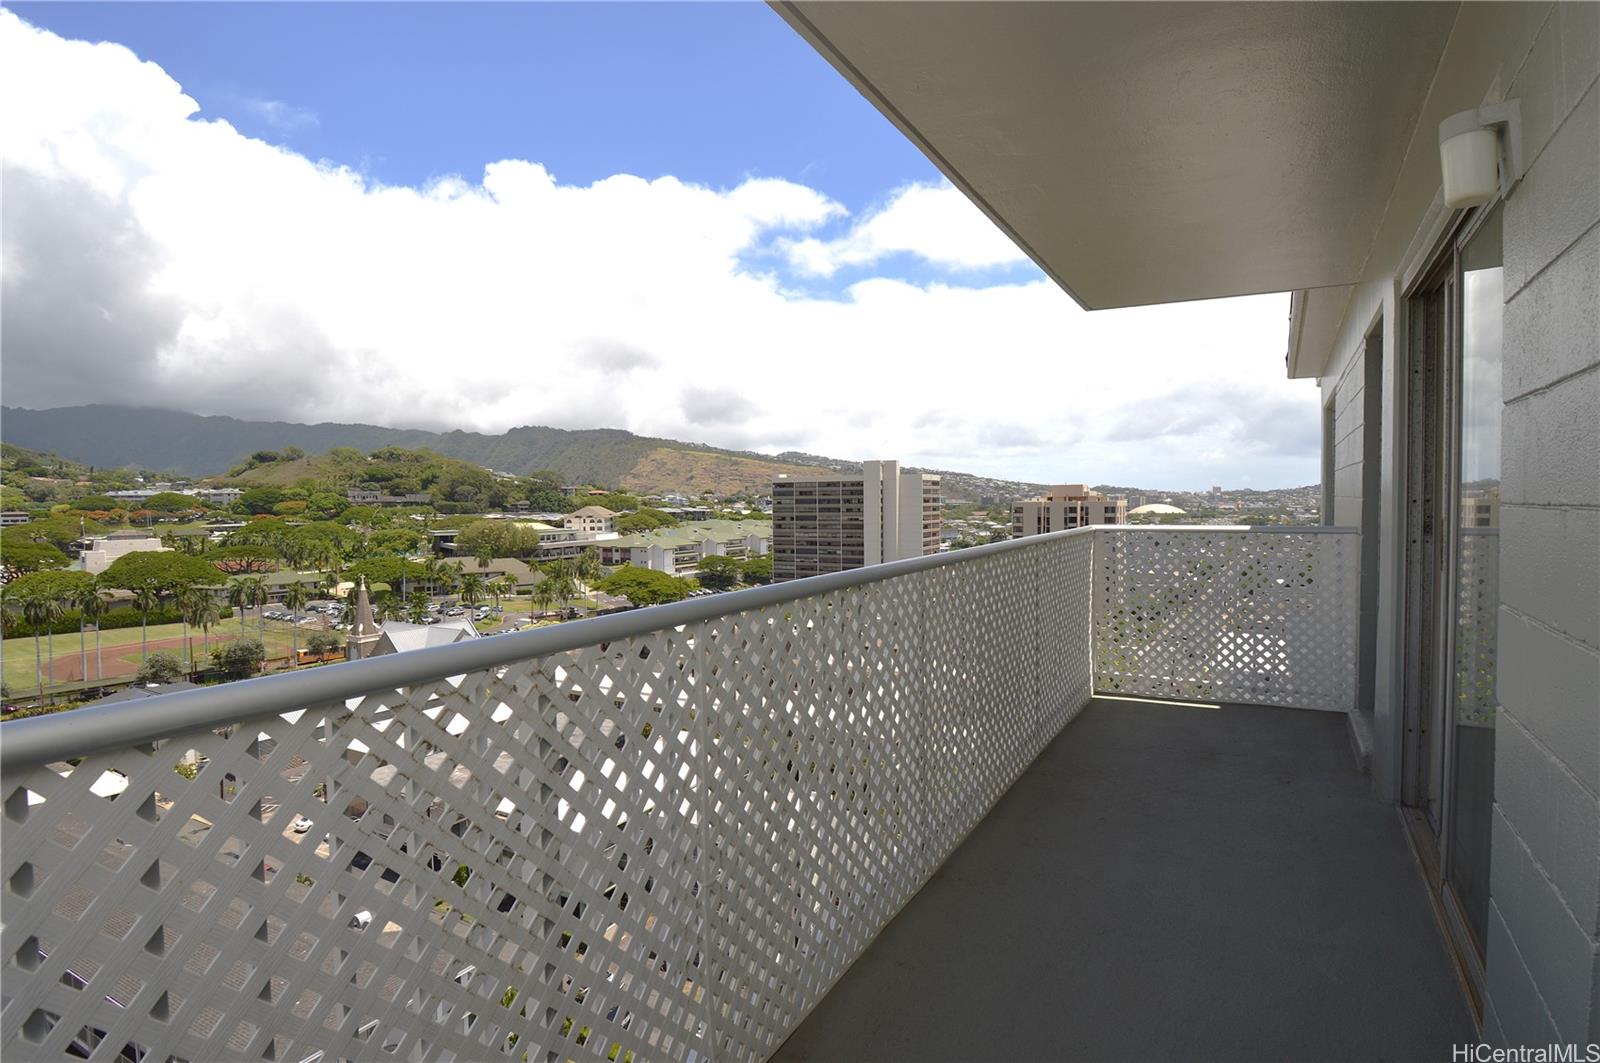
[[829, 522], [1066, 506]]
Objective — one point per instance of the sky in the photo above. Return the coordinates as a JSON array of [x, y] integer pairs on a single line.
[[671, 218]]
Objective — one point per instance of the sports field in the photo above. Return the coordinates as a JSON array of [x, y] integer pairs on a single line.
[[121, 651]]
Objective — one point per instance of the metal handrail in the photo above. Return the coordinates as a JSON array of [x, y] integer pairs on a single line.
[[94, 729]]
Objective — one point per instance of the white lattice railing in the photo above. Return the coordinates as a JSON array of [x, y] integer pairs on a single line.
[[659, 835], [1263, 616]]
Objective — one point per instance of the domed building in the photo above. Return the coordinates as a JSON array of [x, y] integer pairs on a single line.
[[1155, 507]]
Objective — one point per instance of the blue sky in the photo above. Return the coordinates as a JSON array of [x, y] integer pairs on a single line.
[[438, 197], [710, 93]]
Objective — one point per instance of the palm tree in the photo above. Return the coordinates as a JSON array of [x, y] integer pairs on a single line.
[[544, 594], [504, 587], [438, 572], [472, 588], [588, 569], [41, 610], [71, 601], [417, 608], [295, 597], [93, 606], [207, 611], [16, 605], [189, 612], [239, 598], [145, 599], [564, 580], [257, 596]]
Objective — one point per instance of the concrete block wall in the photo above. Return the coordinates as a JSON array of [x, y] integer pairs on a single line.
[[1544, 921], [1349, 402]]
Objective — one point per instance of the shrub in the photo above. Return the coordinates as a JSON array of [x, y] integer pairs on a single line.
[[321, 644], [241, 657], [160, 667]]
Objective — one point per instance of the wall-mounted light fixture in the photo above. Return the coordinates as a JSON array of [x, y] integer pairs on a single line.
[[1480, 153]]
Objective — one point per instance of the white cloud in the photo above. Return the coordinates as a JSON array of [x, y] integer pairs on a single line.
[[284, 117], [154, 258], [935, 223]]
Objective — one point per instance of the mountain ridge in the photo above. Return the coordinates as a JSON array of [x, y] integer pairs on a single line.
[[202, 445]]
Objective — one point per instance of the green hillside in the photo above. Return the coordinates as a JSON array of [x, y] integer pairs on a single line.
[[209, 446], [114, 437]]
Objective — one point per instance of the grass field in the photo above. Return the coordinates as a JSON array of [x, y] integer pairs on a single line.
[[121, 653], [121, 649]]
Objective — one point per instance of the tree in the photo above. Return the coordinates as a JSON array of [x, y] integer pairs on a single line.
[[259, 499], [757, 571], [171, 502], [19, 556], [92, 608], [472, 588], [59, 531], [159, 667], [207, 612], [645, 520], [417, 607], [295, 597], [166, 569], [42, 598], [321, 644], [41, 609], [17, 604], [504, 587], [489, 539], [239, 598], [544, 595], [645, 586], [719, 572], [192, 611], [586, 566], [562, 578], [241, 658], [438, 572], [145, 599]]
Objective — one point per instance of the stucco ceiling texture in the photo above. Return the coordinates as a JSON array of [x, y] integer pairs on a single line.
[[1148, 153]]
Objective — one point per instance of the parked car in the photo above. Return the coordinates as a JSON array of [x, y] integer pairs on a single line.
[[300, 825], [361, 920]]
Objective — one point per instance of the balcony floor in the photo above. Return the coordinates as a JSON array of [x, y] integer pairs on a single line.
[[1164, 883]]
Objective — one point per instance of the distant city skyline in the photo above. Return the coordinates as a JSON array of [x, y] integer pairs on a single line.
[[379, 213]]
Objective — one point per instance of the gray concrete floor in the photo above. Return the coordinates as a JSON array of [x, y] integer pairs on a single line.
[[1164, 883]]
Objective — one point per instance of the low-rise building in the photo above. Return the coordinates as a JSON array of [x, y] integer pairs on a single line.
[[367, 497], [688, 512], [400, 637], [101, 550], [593, 519], [13, 516], [677, 551], [1066, 506]]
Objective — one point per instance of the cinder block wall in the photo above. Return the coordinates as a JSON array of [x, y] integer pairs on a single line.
[[1348, 408], [1544, 920]]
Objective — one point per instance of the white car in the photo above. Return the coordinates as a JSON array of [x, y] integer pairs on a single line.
[[300, 825], [361, 920]]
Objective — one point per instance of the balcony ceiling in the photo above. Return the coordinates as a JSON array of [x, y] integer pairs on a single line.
[[1150, 153]]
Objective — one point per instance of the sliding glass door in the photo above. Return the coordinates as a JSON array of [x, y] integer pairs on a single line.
[[1452, 570]]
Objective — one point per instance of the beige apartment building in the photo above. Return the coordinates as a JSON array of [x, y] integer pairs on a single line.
[[830, 523], [1066, 506], [593, 519]]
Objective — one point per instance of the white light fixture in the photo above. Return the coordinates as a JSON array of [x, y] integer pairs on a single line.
[[1480, 153]]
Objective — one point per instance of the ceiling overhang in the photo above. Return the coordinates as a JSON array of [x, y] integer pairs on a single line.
[[1154, 152]]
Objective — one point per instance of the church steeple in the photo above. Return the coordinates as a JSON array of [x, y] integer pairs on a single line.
[[365, 632]]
